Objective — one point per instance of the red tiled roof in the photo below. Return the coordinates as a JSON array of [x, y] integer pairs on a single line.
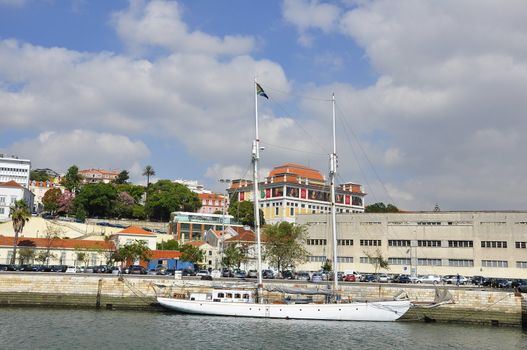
[[11, 183], [135, 230], [195, 243], [212, 196], [296, 169], [165, 254], [56, 243]]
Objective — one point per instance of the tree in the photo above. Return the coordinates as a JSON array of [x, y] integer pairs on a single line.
[[72, 180], [380, 207], [243, 212], [81, 256], [122, 178], [96, 199], [66, 204], [20, 215], [171, 244], [38, 175], [26, 255], [148, 171], [124, 205], [136, 191], [51, 200], [377, 260], [284, 247], [191, 254], [165, 197], [51, 234], [234, 255], [136, 250]]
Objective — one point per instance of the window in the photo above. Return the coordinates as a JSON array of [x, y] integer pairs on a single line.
[[399, 261], [521, 245], [2, 200], [493, 244], [317, 242], [345, 259], [2, 211], [460, 244], [344, 242], [461, 262], [429, 262], [494, 263], [291, 211], [370, 242], [366, 260], [521, 264], [428, 223], [399, 243], [276, 211], [316, 258], [429, 243]]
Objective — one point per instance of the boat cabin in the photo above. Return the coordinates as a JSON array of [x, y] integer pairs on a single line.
[[225, 296]]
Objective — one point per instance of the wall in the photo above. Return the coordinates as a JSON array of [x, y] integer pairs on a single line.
[[471, 305]]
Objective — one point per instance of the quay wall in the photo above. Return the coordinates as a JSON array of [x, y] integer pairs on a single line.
[[463, 305]]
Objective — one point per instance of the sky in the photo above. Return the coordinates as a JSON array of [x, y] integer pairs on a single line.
[[430, 95]]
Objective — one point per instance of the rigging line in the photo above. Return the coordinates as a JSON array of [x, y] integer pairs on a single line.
[[292, 149], [287, 114], [368, 159], [288, 93]]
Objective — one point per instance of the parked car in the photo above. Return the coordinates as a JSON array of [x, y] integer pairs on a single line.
[[203, 273], [7, 267], [115, 270], [288, 275], [349, 278], [479, 280], [368, 278], [188, 272], [502, 283], [316, 277], [383, 278], [303, 276], [428, 279], [402, 279], [518, 283], [71, 269], [452, 279], [170, 272], [136, 270], [227, 273], [240, 274], [252, 274], [268, 274]]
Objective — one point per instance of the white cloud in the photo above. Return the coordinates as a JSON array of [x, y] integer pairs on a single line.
[[159, 24], [86, 149]]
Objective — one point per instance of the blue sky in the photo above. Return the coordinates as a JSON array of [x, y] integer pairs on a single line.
[[430, 96]]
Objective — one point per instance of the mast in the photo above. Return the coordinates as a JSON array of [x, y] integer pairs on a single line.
[[255, 158], [332, 173]]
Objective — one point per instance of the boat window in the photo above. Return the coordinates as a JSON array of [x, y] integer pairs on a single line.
[[237, 295], [228, 295], [246, 296], [221, 295]]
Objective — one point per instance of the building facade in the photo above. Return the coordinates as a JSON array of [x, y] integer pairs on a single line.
[[14, 169], [98, 175], [291, 189], [212, 203], [187, 226], [39, 189], [490, 244], [10, 192]]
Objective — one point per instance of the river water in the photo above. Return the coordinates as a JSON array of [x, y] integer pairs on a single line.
[[36, 328]]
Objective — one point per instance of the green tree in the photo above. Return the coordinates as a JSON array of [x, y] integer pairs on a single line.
[[148, 171], [38, 175], [243, 212], [124, 205], [19, 214], [51, 200], [51, 234], [96, 199], [171, 244], [191, 254], [377, 260], [328, 266], [380, 207], [233, 255], [284, 246], [81, 255], [72, 180], [136, 191], [122, 178], [165, 197], [25, 255], [136, 250], [138, 212]]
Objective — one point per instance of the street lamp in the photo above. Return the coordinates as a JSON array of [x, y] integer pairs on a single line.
[[226, 182]]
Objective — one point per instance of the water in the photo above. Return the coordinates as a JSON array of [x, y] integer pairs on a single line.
[[24, 328]]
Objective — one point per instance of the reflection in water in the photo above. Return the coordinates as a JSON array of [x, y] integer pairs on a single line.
[[22, 328]]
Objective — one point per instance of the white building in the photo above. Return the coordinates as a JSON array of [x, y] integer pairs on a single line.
[[39, 189], [192, 185], [134, 233], [13, 168], [10, 192]]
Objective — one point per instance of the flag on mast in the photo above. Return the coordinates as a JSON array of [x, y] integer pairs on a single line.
[[260, 91]]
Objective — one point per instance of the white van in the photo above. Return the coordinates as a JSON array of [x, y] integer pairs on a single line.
[[353, 272]]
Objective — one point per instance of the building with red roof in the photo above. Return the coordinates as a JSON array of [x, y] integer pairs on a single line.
[[10, 192]]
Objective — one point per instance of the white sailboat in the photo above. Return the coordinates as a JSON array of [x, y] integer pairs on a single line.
[[242, 303]]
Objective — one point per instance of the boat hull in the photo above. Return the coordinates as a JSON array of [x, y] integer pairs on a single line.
[[356, 311]]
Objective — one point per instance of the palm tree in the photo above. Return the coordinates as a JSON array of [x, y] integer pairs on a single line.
[[149, 171], [20, 215]]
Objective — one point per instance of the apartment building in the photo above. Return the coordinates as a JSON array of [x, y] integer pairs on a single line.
[[15, 169]]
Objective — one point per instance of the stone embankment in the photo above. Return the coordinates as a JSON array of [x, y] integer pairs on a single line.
[[442, 304]]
